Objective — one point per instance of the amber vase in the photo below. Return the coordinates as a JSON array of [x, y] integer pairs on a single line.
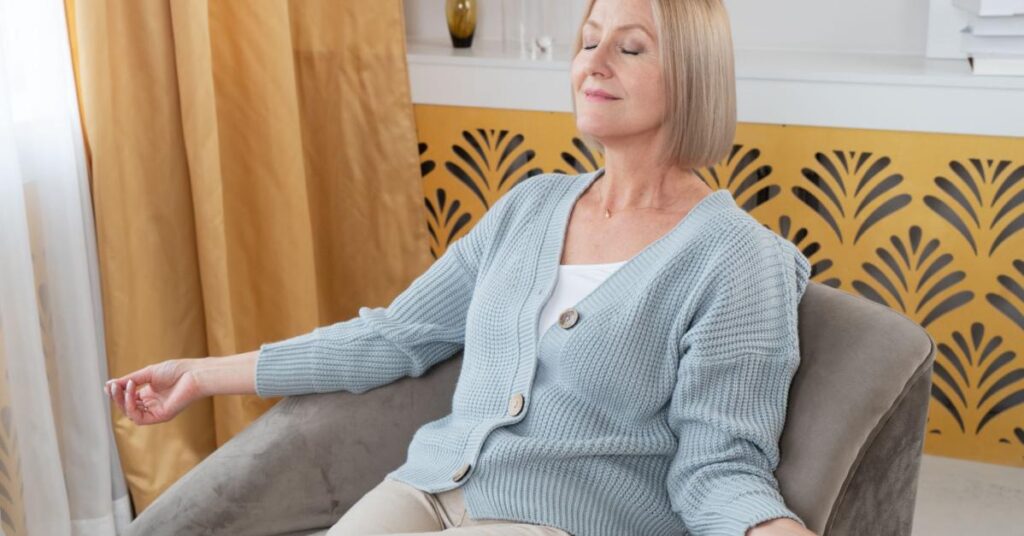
[[461, 22]]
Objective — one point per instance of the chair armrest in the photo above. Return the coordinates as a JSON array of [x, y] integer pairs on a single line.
[[303, 463], [879, 495], [856, 411]]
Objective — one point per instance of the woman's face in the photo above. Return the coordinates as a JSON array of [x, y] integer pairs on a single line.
[[619, 56]]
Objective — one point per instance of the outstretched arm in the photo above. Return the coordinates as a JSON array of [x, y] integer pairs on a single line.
[[423, 326], [157, 393]]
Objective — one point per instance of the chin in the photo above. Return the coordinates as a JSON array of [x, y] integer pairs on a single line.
[[599, 133], [595, 124]]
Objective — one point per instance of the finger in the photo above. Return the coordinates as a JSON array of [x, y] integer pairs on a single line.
[[118, 395], [144, 393], [120, 398], [117, 387], [141, 413], [145, 413], [146, 416], [121, 383], [109, 388], [129, 401], [141, 376]]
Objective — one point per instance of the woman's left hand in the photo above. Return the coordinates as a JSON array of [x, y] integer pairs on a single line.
[[782, 526]]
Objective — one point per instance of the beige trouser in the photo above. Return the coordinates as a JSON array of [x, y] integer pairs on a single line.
[[394, 507]]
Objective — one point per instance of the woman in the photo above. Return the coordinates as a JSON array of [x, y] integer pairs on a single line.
[[629, 334]]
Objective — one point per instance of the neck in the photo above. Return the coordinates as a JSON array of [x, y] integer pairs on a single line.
[[631, 183]]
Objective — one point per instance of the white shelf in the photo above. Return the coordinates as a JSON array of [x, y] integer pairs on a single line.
[[863, 68], [483, 54], [833, 89]]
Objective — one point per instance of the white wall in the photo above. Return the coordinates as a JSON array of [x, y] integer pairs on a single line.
[[891, 26], [888, 26], [424, 19]]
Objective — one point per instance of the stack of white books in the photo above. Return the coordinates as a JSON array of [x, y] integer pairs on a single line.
[[994, 36]]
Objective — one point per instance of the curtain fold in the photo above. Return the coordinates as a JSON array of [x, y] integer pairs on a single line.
[[60, 472], [255, 175]]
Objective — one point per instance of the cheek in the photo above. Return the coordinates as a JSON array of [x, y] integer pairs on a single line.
[[651, 93]]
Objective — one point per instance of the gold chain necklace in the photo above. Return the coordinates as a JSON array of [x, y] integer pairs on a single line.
[[608, 213]]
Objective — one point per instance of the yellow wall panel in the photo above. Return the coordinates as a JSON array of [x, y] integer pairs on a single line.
[[931, 225]]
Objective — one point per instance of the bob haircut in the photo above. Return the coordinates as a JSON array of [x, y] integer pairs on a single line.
[[696, 54]]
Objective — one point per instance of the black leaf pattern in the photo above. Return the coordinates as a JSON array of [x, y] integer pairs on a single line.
[[891, 280], [980, 202], [981, 389], [826, 194]]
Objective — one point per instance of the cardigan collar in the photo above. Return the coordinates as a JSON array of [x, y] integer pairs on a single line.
[[636, 272]]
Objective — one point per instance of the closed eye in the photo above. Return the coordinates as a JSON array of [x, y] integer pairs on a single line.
[[624, 51]]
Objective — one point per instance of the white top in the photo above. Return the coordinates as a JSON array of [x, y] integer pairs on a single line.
[[573, 283]]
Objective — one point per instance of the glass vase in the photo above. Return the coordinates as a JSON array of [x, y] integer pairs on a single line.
[[461, 16]]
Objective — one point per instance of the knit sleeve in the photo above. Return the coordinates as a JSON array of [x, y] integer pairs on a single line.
[[737, 361], [423, 325]]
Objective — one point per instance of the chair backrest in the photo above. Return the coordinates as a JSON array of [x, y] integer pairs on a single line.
[[855, 423]]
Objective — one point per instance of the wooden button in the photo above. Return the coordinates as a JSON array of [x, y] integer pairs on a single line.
[[461, 472], [568, 318], [515, 404]]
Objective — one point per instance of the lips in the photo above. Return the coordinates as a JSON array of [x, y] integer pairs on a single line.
[[599, 93]]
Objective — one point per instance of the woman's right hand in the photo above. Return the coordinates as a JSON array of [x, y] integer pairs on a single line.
[[155, 393]]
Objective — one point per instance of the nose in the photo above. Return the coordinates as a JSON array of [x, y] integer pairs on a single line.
[[596, 61]]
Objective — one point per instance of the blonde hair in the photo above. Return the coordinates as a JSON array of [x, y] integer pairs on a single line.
[[696, 54]]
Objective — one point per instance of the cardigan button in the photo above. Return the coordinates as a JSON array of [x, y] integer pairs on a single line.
[[568, 318], [461, 472], [515, 404]]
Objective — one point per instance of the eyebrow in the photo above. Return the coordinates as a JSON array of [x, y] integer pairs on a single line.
[[621, 28]]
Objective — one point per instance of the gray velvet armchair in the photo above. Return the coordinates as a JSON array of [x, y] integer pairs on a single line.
[[850, 451]]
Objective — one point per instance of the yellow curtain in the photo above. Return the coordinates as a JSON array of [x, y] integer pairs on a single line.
[[255, 175]]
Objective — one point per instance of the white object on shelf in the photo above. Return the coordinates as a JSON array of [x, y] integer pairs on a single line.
[[1012, 45], [530, 27], [992, 7], [831, 89], [994, 65], [1005, 25]]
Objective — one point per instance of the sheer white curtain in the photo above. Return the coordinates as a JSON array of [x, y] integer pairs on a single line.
[[59, 469]]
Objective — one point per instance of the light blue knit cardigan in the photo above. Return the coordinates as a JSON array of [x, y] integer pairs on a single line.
[[658, 412]]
